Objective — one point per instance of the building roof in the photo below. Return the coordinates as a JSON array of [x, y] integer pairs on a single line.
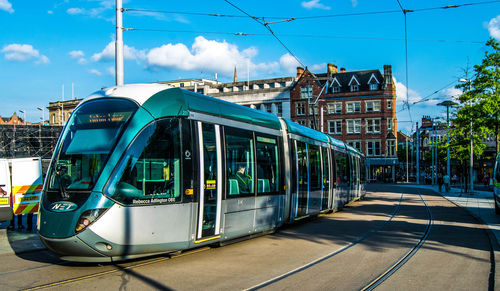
[[363, 78]]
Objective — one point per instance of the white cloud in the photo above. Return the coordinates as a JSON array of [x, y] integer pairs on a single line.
[[50, 12], [76, 54], [23, 52], [494, 27], [401, 89], [95, 72], [315, 4], [80, 55], [111, 71], [108, 53], [288, 63], [354, 3], [103, 6], [76, 11], [6, 6], [206, 55], [318, 68], [452, 93], [42, 60]]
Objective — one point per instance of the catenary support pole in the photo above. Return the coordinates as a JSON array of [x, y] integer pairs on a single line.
[[119, 44]]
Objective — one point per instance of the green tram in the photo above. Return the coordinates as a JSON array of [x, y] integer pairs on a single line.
[[145, 169]]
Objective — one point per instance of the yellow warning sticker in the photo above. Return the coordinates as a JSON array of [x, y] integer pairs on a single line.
[[211, 185], [4, 201], [189, 191]]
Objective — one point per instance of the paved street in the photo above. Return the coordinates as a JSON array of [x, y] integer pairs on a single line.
[[343, 251]]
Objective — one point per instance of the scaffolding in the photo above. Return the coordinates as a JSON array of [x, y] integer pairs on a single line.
[[20, 141]]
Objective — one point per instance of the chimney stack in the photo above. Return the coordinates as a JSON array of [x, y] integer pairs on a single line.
[[235, 76], [331, 69], [342, 70], [388, 77], [300, 71]]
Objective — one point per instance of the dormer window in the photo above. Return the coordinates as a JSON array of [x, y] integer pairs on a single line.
[[373, 83], [354, 84], [335, 87]]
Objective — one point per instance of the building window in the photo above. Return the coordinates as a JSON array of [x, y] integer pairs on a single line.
[[282, 84], [301, 122], [335, 89], [373, 125], [271, 85], [373, 106], [353, 126], [389, 104], [374, 87], [306, 92], [353, 107], [311, 108], [335, 126], [389, 124], [391, 147], [373, 148], [300, 108], [354, 87], [280, 109], [335, 108], [312, 124], [355, 144], [182, 85]]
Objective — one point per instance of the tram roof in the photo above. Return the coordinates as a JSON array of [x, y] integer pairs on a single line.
[[298, 129], [352, 149], [337, 142], [162, 100]]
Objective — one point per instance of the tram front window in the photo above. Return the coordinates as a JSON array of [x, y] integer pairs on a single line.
[[83, 150], [149, 171]]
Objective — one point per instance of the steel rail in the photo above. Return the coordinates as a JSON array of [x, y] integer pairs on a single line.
[[336, 252], [393, 268]]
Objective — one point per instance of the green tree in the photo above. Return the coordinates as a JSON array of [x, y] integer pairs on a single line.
[[480, 103]]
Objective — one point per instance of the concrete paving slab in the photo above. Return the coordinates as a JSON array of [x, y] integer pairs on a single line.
[[480, 204]]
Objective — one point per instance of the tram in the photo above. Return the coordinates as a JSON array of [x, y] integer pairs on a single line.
[[144, 169]]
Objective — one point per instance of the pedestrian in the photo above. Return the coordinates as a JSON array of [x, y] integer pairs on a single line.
[[446, 181], [440, 181]]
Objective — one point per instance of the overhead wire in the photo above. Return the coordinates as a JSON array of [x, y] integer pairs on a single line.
[[313, 16], [304, 35], [266, 25]]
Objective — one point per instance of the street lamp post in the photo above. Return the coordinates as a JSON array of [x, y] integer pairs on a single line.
[[471, 141], [43, 114], [448, 104], [24, 112]]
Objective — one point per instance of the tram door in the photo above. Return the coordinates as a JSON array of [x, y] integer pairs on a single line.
[[210, 181]]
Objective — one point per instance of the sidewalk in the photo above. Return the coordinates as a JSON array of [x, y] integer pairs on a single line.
[[19, 241], [480, 204]]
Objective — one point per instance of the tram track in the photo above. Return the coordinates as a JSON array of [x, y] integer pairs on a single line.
[[117, 269], [330, 255], [401, 261]]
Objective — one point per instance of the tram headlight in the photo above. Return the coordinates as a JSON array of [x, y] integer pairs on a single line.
[[87, 218]]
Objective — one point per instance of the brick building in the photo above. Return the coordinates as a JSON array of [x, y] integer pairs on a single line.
[[357, 107]]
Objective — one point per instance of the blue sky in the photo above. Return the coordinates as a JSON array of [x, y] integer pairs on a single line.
[[47, 44]]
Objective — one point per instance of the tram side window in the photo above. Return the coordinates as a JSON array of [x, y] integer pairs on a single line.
[[315, 168], [149, 171], [240, 163], [341, 168], [268, 176]]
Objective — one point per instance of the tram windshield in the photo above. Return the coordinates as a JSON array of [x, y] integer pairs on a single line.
[[86, 143], [150, 170]]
